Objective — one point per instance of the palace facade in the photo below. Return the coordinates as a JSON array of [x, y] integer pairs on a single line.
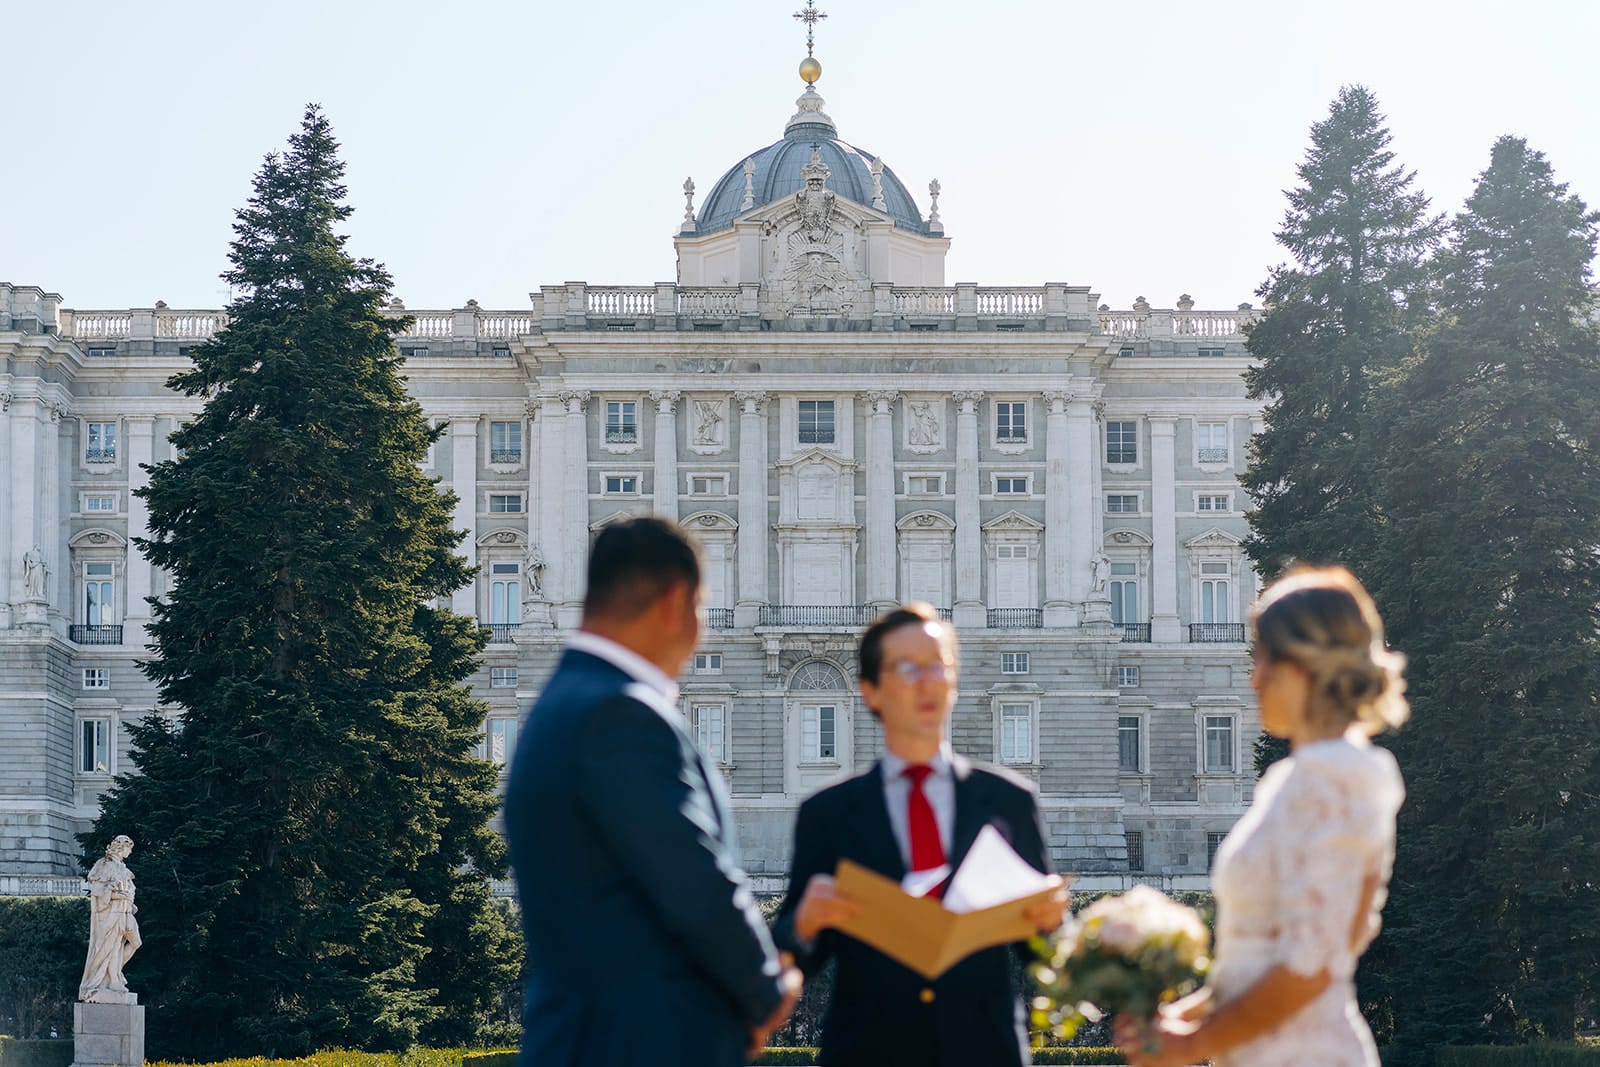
[[840, 428]]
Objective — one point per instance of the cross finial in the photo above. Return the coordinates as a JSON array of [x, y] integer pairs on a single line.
[[810, 16]]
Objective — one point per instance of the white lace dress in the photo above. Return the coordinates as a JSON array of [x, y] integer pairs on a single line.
[[1289, 882]]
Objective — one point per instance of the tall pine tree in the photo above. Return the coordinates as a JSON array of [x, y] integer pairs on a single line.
[[1489, 574], [1358, 234], [313, 823]]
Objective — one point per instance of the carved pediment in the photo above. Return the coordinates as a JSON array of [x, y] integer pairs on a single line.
[[98, 538], [1013, 521], [503, 536], [1125, 537], [708, 521], [813, 456], [1216, 540], [620, 516], [926, 521]]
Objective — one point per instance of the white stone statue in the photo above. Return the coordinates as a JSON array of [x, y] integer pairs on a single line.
[[533, 570], [708, 417], [113, 931], [924, 423], [33, 573], [1099, 574]]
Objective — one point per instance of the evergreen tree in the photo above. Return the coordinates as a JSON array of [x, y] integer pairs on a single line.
[[1358, 234], [1489, 575], [313, 824]]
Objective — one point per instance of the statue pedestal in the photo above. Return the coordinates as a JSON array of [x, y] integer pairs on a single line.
[[536, 613], [1097, 608], [32, 613], [105, 1034]]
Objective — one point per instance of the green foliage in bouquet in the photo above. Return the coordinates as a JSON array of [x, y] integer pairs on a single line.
[[1126, 955]]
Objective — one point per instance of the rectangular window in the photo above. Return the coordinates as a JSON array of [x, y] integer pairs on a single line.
[[708, 485], [1214, 593], [816, 422], [1124, 593], [924, 485], [1211, 442], [99, 504], [1013, 663], [1135, 850], [817, 732], [505, 593], [708, 663], [1219, 744], [502, 741], [622, 485], [502, 677], [1127, 677], [622, 426], [99, 595], [100, 442], [1122, 503], [711, 730], [1011, 421], [1212, 502], [505, 442], [94, 746], [1213, 842], [1128, 727], [1122, 442], [1210, 351], [1016, 733], [96, 678], [1011, 486], [505, 503]]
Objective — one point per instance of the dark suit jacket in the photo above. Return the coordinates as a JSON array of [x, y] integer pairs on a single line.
[[883, 1012], [644, 942]]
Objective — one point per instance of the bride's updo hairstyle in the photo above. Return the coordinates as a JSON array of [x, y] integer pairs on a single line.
[[1324, 622]]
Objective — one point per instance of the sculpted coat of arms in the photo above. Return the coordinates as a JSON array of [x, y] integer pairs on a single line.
[[812, 255]]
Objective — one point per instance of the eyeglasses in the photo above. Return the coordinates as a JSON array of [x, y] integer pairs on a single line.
[[912, 673]]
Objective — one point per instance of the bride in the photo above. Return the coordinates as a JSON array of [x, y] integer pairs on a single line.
[[1300, 880]]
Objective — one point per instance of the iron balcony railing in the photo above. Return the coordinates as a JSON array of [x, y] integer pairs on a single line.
[[719, 618], [1212, 633], [1135, 632], [1016, 618], [624, 436], [815, 615], [503, 633], [95, 635], [100, 455], [1213, 455], [505, 455]]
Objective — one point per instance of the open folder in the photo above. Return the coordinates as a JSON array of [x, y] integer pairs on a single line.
[[929, 937]]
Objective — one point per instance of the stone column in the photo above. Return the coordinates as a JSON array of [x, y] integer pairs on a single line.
[[548, 522], [141, 431], [7, 474], [1061, 550], [464, 482], [666, 467], [535, 611], [969, 608], [752, 509], [880, 500], [52, 531], [1164, 625], [23, 518], [575, 488], [1082, 505], [1091, 497]]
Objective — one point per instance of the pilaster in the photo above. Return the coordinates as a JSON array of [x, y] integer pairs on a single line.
[[752, 508], [666, 453], [969, 609], [880, 499], [23, 518], [7, 475], [464, 481], [1060, 521], [141, 431], [549, 506], [575, 488], [1082, 505], [1164, 624]]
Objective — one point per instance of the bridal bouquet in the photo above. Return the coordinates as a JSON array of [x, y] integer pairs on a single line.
[[1126, 955]]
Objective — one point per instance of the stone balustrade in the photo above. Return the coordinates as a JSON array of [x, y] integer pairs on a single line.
[[580, 306]]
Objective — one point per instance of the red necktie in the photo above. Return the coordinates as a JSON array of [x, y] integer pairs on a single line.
[[927, 851]]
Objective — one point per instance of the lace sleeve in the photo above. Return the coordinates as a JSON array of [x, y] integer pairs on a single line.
[[1334, 837]]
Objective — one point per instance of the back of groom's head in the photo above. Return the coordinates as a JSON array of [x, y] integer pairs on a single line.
[[633, 563]]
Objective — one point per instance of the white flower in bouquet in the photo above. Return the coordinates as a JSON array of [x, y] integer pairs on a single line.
[[1126, 954]]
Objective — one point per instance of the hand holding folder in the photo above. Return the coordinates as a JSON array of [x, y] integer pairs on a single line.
[[984, 905]]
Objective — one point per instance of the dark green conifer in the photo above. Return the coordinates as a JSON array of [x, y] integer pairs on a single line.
[[312, 823]]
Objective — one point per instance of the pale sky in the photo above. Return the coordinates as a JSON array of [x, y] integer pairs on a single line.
[[1140, 148]]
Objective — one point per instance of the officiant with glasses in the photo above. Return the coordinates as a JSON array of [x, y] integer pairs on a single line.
[[917, 811]]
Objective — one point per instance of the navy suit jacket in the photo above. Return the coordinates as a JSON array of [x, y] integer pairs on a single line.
[[882, 1011], [644, 942]]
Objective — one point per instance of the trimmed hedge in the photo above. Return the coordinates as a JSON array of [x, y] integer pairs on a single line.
[[416, 1057], [1073, 1056], [1538, 1055], [35, 1052], [42, 943], [493, 1058]]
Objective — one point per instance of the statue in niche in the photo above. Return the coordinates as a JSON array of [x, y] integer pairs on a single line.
[[924, 423], [533, 571], [1099, 574], [707, 422], [113, 931], [34, 573]]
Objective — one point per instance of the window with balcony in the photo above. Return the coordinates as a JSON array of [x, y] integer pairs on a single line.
[[622, 426], [816, 422], [1214, 588], [505, 442], [711, 730], [502, 740], [1122, 442], [1211, 442], [1124, 589], [1130, 729], [100, 442], [505, 600], [1016, 733], [99, 594], [1013, 663], [1122, 503], [1011, 422], [1217, 756]]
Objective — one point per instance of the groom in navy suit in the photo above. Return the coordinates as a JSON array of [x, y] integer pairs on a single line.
[[644, 942]]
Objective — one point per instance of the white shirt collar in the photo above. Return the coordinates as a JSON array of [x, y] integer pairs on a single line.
[[894, 766], [627, 661]]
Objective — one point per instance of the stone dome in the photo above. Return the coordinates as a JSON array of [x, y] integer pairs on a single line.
[[777, 174]]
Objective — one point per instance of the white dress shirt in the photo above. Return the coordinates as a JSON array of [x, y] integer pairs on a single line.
[[628, 662], [940, 789]]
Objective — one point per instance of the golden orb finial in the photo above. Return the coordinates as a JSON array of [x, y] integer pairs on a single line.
[[810, 70]]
